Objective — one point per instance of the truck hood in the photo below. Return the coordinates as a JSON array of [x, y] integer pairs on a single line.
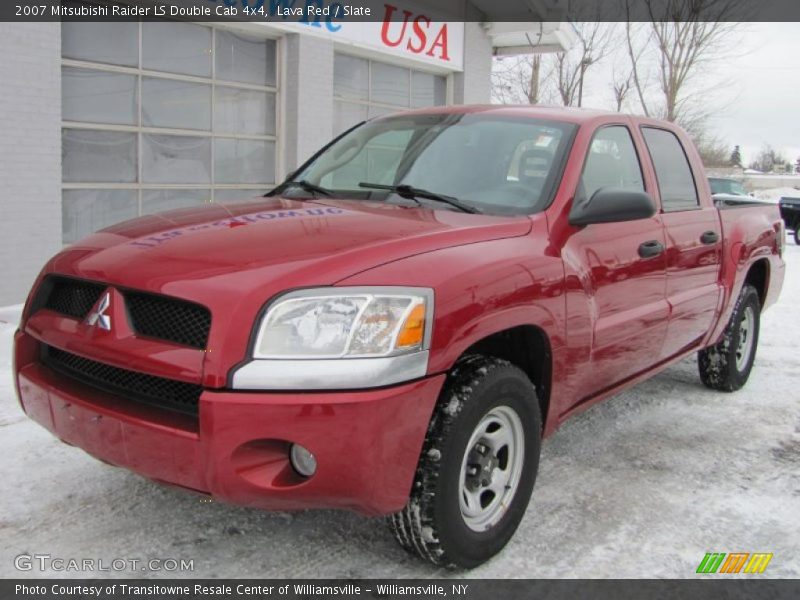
[[269, 246], [310, 242], [235, 258]]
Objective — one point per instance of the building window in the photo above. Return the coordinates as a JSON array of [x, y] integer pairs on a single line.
[[162, 115], [365, 88]]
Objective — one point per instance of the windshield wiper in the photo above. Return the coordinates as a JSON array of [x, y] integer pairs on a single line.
[[302, 184], [412, 193]]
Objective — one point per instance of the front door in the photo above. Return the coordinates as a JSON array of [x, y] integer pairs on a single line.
[[616, 274]]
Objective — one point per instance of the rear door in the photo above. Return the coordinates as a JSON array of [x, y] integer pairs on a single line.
[[693, 241]]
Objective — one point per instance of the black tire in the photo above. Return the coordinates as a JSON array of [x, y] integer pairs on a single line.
[[718, 364], [797, 233], [431, 525]]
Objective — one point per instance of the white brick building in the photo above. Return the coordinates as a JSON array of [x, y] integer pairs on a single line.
[[106, 121]]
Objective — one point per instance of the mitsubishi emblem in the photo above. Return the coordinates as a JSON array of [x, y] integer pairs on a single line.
[[98, 317]]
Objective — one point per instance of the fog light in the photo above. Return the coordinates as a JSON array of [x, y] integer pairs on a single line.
[[303, 461]]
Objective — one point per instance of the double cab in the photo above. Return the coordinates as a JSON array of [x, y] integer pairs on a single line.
[[396, 327]]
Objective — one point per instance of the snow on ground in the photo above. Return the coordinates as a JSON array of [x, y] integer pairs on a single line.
[[642, 485], [774, 195]]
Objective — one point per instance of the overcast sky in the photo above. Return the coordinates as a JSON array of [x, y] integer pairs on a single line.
[[768, 105], [760, 87]]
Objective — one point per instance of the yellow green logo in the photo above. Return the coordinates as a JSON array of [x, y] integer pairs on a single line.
[[734, 562]]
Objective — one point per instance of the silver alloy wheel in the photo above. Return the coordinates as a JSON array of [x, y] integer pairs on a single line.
[[491, 468], [746, 331]]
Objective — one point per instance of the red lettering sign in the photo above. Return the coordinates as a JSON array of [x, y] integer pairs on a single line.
[[418, 37]]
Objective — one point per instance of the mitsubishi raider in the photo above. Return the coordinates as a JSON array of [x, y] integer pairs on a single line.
[[396, 327]]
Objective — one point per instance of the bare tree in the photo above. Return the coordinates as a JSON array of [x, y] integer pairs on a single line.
[[712, 149], [661, 63], [635, 54], [769, 160], [510, 80], [536, 78], [521, 80], [535, 82], [621, 86], [681, 39], [570, 68], [566, 79]]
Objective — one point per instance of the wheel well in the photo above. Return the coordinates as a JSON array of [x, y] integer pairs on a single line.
[[526, 347], [757, 276]]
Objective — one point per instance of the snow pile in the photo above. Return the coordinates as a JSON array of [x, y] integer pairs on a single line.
[[775, 194], [9, 319]]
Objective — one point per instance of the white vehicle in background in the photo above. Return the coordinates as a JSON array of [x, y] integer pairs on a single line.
[[726, 186], [730, 192]]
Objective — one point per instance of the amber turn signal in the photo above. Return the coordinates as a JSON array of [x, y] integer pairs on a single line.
[[413, 329]]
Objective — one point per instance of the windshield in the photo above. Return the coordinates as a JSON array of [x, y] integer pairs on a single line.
[[494, 164], [726, 186]]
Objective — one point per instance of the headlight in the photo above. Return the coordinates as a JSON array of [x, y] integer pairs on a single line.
[[346, 323]]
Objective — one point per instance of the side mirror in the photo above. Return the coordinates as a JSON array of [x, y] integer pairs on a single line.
[[612, 205]]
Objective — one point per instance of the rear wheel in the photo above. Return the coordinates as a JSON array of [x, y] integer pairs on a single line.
[[478, 465], [726, 366]]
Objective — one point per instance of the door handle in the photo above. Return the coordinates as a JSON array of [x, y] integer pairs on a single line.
[[650, 249], [709, 237]]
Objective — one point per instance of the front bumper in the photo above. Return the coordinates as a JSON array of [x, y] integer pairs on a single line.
[[367, 442]]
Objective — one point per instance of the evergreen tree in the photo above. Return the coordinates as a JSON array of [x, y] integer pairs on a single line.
[[736, 157]]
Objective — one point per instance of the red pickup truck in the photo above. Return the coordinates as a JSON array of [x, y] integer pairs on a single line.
[[395, 328]]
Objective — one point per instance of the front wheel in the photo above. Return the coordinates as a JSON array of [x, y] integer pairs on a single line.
[[478, 465], [726, 366]]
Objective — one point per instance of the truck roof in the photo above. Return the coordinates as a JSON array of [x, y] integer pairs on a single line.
[[539, 111]]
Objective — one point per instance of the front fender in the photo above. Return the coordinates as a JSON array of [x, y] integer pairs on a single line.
[[481, 289], [486, 325]]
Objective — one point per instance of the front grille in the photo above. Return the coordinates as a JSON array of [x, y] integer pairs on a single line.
[[129, 385], [151, 315], [71, 297], [168, 319]]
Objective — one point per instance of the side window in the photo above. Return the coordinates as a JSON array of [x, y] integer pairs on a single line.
[[675, 179], [611, 162]]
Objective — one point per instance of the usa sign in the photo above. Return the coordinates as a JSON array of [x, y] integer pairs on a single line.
[[392, 27]]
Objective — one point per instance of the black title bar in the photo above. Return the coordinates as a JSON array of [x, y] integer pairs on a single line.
[[315, 11], [409, 589]]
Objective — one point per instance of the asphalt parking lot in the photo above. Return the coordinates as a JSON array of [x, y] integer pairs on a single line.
[[642, 485]]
